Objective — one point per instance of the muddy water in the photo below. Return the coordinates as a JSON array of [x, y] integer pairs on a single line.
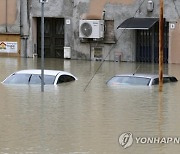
[[67, 119]]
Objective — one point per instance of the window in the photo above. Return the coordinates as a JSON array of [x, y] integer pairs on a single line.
[[65, 78], [129, 80], [155, 81], [49, 79], [36, 79], [18, 79], [139, 81], [173, 79], [98, 53], [165, 80]]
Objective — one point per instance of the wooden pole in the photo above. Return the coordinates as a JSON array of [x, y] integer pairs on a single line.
[[161, 46]]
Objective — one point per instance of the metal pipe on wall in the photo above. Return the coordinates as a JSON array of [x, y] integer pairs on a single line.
[[24, 19], [6, 16], [24, 26]]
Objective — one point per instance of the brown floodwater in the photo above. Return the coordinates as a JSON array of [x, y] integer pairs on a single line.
[[74, 118]]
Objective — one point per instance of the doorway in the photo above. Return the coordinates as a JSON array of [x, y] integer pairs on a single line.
[[147, 44], [53, 37]]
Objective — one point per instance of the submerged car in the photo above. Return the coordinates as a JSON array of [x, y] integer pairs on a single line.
[[53, 77], [139, 79]]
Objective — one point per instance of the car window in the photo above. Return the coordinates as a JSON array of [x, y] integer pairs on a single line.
[[155, 81], [36, 79], [65, 78], [165, 80], [129, 80], [115, 80], [49, 79], [173, 79], [139, 81], [18, 79]]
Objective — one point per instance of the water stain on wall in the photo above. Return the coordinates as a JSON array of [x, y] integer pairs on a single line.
[[97, 6]]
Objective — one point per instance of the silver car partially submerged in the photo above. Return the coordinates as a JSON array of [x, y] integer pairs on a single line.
[[34, 77], [139, 79]]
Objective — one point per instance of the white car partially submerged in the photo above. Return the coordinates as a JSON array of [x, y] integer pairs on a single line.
[[139, 79], [33, 76]]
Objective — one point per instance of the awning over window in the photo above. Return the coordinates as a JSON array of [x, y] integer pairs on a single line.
[[138, 23]]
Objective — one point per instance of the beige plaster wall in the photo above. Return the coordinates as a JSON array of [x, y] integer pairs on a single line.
[[10, 14], [174, 43], [96, 7]]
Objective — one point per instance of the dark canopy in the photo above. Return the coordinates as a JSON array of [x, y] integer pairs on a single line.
[[138, 23]]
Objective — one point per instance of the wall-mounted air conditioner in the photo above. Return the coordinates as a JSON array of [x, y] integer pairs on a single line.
[[91, 29], [43, 1]]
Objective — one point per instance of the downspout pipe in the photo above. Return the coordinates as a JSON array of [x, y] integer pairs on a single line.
[[24, 27], [6, 16]]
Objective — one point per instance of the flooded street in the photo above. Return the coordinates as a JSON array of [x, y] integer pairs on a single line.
[[69, 119]]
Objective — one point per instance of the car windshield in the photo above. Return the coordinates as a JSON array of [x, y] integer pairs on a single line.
[[29, 79], [18, 79], [130, 80]]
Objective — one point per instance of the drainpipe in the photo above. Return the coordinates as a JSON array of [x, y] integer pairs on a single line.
[[24, 27], [6, 16]]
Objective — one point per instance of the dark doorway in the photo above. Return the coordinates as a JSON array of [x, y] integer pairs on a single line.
[[147, 44], [53, 37]]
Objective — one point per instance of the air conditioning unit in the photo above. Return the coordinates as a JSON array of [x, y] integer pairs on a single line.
[[91, 29], [43, 1]]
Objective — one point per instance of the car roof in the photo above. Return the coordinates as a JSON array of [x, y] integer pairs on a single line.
[[150, 76], [46, 72]]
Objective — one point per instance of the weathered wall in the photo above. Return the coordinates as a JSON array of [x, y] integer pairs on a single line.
[[97, 7], [174, 40], [73, 11], [54, 9], [117, 10], [114, 10], [10, 16]]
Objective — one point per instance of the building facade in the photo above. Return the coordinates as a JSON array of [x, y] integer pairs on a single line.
[[136, 38]]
